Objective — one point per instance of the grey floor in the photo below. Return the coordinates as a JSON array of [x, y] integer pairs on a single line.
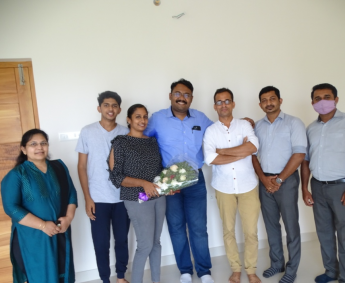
[[310, 266]]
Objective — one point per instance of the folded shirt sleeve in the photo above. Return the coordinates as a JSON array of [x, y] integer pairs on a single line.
[[298, 137], [248, 131], [209, 146]]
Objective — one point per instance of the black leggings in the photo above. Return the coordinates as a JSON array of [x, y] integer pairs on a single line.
[[17, 254]]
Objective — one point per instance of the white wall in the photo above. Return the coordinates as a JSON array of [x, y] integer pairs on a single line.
[[80, 48]]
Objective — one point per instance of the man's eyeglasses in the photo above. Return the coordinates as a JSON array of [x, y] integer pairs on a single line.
[[185, 95], [35, 144], [220, 102]]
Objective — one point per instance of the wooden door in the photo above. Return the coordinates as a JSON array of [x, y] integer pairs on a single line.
[[18, 113]]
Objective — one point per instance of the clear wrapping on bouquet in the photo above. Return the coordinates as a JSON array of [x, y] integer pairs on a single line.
[[180, 173]]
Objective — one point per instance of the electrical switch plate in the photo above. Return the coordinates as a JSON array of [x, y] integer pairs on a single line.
[[68, 136]]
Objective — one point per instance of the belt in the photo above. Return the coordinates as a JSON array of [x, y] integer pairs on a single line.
[[331, 182], [271, 174], [276, 174]]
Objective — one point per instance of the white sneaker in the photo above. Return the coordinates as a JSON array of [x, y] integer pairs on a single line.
[[186, 278], [207, 279]]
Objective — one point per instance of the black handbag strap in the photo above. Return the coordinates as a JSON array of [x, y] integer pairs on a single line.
[[64, 186]]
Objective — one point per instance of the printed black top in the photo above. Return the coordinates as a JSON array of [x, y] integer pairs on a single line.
[[137, 158]]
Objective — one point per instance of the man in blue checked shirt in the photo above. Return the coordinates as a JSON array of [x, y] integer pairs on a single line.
[[283, 145], [179, 131]]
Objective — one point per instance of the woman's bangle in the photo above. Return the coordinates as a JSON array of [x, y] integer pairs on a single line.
[[44, 225]]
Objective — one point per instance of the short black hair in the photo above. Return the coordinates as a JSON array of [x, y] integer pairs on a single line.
[[324, 86], [224, 89], [182, 82], [268, 89], [109, 94]]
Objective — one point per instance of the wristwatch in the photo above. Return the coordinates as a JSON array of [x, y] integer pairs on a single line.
[[279, 181]]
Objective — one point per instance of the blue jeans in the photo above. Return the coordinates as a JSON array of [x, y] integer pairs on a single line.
[[188, 208]]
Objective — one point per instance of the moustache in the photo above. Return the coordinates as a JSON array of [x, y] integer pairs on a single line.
[[269, 106]]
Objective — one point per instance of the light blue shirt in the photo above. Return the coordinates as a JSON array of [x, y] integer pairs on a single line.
[[177, 138], [279, 140], [95, 141], [326, 148]]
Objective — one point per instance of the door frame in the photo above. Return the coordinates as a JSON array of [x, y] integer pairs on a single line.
[[13, 63]]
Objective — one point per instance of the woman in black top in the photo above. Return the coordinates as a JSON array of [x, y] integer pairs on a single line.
[[134, 162]]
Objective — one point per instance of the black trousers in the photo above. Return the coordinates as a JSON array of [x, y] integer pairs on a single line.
[[107, 215]]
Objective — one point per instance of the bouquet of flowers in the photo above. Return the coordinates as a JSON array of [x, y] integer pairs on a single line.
[[175, 177]]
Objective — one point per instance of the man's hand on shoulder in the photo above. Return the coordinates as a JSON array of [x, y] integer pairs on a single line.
[[251, 121]]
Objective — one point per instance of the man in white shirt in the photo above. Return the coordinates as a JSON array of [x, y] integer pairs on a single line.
[[228, 146]]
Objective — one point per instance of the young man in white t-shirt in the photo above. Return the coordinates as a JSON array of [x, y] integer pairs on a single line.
[[102, 200]]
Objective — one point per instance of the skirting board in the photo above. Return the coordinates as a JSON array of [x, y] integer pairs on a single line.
[[89, 275]]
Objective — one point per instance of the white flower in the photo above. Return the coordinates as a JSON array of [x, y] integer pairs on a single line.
[[165, 179], [156, 179], [159, 184], [174, 168], [164, 186], [182, 171], [182, 177], [174, 182], [164, 171], [159, 190]]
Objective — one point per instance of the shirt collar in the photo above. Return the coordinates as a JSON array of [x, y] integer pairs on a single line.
[[170, 113], [281, 116], [222, 124], [337, 114]]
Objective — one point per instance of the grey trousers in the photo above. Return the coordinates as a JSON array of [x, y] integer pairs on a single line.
[[282, 203], [147, 219], [329, 215]]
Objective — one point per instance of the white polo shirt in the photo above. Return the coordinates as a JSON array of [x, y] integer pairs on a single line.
[[237, 177]]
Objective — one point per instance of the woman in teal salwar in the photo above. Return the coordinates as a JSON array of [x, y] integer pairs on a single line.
[[41, 200]]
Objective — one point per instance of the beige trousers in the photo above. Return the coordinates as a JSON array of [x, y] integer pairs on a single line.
[[248, 205]]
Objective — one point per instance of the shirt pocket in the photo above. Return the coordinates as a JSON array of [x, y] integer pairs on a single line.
[[283, 140], [198, 136], [335, 141], [239, 140]]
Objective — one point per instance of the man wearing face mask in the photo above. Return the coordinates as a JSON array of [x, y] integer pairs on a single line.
[[325, 161]]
